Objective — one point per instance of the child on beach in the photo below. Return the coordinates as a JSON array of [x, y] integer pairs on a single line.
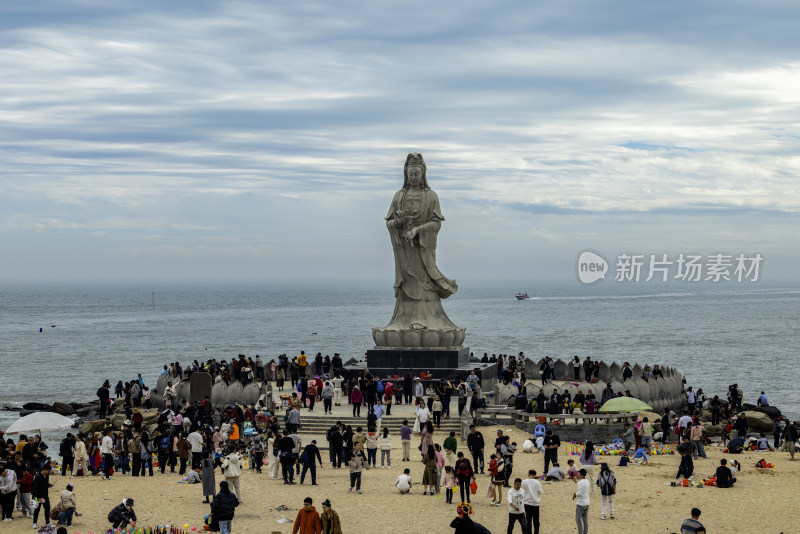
[[404, 483], [762, 443], [449, 482], [25, 485], [195, 476], [640, 457], [556, 474], [572, 471]]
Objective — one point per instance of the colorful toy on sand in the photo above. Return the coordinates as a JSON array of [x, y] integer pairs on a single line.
[[145, 530], [660, 448]]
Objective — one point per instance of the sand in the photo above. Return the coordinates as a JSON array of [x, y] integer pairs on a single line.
[[644, 503]]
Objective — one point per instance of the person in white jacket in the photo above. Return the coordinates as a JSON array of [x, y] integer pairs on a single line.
[[532, 489], [8, 491], [386, 447], [232, 469], [516, 507], [81, 463], [581, 498]]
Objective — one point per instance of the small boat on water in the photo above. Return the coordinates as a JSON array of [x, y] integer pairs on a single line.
[[522, 296]]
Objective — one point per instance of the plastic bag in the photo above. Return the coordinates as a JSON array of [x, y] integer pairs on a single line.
[[473, 487]]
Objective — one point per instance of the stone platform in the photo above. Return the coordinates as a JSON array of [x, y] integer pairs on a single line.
[[448, 363], [417, 360]]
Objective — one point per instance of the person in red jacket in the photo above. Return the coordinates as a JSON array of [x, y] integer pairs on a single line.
[[307, 521]]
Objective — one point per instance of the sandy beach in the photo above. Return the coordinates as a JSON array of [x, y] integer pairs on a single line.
[[645, 501]]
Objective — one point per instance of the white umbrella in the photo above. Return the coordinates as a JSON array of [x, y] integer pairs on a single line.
[[39, 421]]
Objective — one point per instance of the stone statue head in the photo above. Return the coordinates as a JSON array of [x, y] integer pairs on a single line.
[[415, 160]]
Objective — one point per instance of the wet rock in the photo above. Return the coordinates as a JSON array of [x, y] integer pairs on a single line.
[[758, 421], [771, 411], [88, 413], [37, 407], [89, 427], [62, 408]]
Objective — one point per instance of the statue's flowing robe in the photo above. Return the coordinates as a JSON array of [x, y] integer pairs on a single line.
[[419, 285]]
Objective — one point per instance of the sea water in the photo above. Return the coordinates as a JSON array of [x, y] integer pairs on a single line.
[[715, 335]]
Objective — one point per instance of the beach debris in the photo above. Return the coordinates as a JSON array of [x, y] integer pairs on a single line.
[[283, 520]]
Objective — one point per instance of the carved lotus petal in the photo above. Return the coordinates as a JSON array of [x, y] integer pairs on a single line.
[[430, 338], [412, 338]]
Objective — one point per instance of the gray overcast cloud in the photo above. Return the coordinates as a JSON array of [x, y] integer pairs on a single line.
[[265, 139]]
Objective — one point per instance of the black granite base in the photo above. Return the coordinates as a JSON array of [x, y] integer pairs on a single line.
[[417, 359]]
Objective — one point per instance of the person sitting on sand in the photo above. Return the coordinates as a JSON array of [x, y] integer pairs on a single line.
[[725, 478], [572, 471], [195, 476], [555, 474], [640, 457]]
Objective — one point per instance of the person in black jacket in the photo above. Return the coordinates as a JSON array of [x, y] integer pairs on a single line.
[[223, 507], [39, 490], [103, 395], [65, 450], [463, 523], [122, 514], [285, 455], [307, 459], [725, 478], [475, 444]]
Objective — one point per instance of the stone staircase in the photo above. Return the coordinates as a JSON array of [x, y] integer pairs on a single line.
[[318, 424]]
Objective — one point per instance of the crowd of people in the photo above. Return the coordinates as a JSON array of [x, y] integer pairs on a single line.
[[201, 442]]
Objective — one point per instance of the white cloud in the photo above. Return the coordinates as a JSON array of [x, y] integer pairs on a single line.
[[129, 125]]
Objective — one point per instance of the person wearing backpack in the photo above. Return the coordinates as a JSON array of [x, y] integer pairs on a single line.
[[258, 451], [164, 444], [607, 482]]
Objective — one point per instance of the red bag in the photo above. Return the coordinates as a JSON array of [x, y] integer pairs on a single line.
[[473, 488]]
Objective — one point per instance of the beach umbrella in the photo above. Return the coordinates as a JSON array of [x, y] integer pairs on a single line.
[[39, 421], [624, 404]]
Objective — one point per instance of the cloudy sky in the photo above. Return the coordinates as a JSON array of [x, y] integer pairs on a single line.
[[265, 139]]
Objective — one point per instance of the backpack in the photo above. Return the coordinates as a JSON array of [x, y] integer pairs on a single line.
[[165, 442], [604, 479], [381, 388]]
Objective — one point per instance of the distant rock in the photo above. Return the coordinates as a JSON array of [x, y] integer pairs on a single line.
[[758, 421], [771, 411], [62, 408], [12, 408], [88, 410], [90, 427], [37, 407]]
